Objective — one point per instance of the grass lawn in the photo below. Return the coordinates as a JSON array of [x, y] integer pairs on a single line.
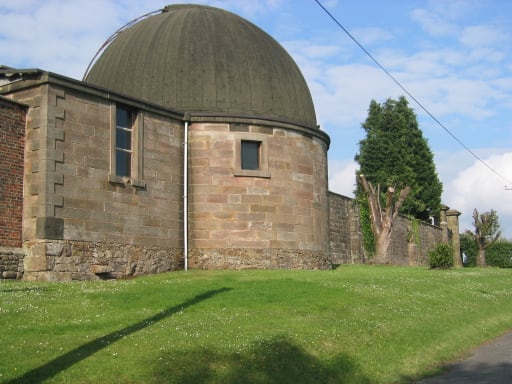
[[356, 324]]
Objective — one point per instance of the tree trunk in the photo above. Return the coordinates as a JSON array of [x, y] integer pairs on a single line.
[[382, 219], [481, 262], [382, 243]]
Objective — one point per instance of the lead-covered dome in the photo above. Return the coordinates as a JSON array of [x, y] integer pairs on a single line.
[[206, 61]]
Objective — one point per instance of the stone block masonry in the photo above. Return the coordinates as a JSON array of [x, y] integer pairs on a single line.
[[272, 217], [63, 200], [11, 263], [410, 241], [346, 240], [72, 200], [269, 258], [67, 260], [12, 147]]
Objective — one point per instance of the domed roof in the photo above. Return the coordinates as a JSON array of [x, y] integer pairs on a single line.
[[206, 61]]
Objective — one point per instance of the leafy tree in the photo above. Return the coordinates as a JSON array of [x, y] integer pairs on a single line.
[[487, 232], [395, 154]]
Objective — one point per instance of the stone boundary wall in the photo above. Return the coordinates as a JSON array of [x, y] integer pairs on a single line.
[[11, 262], [423, 237], [346, 239]]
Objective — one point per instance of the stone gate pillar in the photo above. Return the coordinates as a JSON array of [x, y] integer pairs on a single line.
[[452, 216]]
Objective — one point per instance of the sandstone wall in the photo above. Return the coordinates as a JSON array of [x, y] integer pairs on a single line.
[[346, 242], [82, 222], [282, 208], [423, 237], [70, 194], [410, 241]]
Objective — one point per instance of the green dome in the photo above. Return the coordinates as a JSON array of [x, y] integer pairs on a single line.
[[206, 61]]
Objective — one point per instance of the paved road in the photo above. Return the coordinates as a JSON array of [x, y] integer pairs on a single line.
[[490, 363]]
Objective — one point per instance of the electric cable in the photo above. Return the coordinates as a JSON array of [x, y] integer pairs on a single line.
[[411, 95]]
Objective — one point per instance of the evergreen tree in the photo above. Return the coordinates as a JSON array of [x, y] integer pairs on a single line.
[[395, 154]]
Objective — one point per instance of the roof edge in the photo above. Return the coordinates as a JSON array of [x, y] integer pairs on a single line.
[[259, 120]]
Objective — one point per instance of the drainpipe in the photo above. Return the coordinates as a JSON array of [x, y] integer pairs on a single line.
[[185, 190]]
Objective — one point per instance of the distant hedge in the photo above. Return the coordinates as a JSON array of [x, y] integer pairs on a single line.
[[497, 255], [500, 254]]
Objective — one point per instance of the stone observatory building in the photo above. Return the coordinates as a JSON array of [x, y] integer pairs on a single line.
[[192, 142]]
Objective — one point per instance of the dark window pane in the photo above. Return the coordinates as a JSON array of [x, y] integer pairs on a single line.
[[250, 155], [124, 121], [123, 139], [123, 118], [123, 163]]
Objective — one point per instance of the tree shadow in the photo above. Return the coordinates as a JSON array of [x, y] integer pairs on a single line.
[[67, 360], [275, 361]]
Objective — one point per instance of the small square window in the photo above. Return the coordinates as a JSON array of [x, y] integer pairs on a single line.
[[250, 155]]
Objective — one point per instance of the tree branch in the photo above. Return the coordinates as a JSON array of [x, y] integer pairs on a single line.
[[373, 202], [401, 198], [389, 203]]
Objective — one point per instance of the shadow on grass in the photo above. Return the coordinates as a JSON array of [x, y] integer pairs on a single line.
[[275, 361], [67, 360]]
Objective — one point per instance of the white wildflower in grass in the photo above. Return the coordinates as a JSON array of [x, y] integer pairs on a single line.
[[372, 316]]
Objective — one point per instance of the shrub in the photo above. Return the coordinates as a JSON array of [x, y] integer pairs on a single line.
[[499, 254], [441, 256]]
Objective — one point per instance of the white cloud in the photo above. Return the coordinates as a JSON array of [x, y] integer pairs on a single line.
[[341, 93], [478, 187], [433, 23], [247, 7], [330, 3], [450, 95], [482, 36], [309, 50], [342, 177], [371, 35], [58, 36]]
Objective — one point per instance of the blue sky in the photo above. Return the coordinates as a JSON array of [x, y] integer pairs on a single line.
[[454, 56]]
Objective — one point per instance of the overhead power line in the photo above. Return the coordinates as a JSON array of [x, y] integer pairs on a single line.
[[411, 95]]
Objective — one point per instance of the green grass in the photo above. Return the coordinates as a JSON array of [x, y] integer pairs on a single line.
[[356, 324]]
